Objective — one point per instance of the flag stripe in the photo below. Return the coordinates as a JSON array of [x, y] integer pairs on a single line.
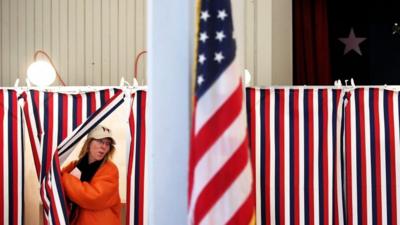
[[243, 214], [209, 164], [241, 192], [220, 182], [222, 118]]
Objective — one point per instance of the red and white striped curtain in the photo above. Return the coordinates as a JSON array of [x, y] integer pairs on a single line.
[[372, 156], [56, 122], [295, 144], [136, 179], [11, 159], [320, 155]]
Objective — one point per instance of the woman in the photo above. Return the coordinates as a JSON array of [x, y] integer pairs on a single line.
[[91, 182]]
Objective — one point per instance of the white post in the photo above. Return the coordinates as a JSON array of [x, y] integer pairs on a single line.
[[170, 38]]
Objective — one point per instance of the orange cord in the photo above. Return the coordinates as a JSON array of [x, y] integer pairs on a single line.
[[136, 62], [51, 62]]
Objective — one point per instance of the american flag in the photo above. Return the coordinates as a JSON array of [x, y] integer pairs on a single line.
[[220, 172]]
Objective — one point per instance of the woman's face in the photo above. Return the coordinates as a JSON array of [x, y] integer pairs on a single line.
[[99, 148]]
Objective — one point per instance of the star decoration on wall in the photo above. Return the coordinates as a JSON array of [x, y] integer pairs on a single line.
[[396, 29], [352, 42]]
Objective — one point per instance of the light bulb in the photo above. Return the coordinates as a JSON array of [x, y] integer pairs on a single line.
[[247, 77], [41, 73]]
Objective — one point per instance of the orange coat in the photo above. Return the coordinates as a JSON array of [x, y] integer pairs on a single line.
[[99, 202]]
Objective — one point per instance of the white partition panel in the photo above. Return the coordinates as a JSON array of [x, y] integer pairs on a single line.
[[170, 56]]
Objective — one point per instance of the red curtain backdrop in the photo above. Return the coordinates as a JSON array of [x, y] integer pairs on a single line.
[[310, 43]]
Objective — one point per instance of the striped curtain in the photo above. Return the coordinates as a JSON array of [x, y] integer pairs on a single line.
[[11, 159], [56, 122], [295, 146], [372, 157], [136, 179]]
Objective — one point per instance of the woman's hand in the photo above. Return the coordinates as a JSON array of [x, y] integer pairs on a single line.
[[76, 173]]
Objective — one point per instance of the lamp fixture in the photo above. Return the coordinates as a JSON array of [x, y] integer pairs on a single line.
[[41, 72], [247, 77]]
